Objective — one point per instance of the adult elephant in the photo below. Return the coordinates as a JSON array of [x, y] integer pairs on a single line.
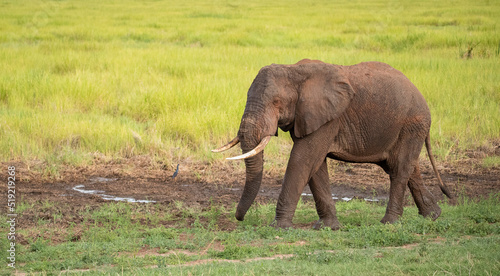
[[364, 113]]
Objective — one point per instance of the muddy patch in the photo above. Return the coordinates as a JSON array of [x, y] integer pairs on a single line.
[[103, 194], [140, 180], [81, 189], [349, 198]]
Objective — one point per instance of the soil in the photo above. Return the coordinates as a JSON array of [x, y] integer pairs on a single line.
[[142, 178]]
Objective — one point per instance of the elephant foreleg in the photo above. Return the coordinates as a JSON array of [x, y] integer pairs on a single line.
[[296, 178], [424, 200], [325, 206], [303, 164]]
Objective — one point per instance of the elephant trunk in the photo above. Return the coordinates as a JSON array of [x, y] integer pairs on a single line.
[[254, 170], [252, 132]]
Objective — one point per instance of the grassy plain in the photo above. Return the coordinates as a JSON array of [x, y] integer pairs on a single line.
[[169, 78], [80, 79]]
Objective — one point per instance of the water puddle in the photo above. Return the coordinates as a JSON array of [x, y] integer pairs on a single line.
[[81, 189], [102, 179], [346, 198]]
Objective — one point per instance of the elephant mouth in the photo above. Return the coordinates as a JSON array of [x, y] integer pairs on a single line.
[[285, 128]]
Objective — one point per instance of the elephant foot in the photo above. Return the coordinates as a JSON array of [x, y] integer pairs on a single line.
[[281, 224], [426, 205], [333, 224], [433, 212], [390, 218]]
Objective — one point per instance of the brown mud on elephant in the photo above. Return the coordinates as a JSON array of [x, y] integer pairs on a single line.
[[364, 113]]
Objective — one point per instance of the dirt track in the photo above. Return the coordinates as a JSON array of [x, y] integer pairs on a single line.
[[138, 178], [77, 190]]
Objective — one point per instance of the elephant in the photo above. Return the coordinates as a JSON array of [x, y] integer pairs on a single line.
[[363, 113]]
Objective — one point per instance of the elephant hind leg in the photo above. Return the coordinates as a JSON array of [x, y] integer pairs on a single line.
[[396, 195], [400, 165], [424, 200], [325, 206]]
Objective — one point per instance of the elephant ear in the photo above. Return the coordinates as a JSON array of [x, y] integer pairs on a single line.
[[323, 96]]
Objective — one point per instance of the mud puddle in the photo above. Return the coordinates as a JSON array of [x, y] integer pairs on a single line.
[[349, 198], [81, 189]]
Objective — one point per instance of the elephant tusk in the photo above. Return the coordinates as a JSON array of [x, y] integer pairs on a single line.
[[260, 147], [229, 145]]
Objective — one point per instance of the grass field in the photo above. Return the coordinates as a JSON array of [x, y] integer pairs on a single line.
[[170, 79], [138, 239]]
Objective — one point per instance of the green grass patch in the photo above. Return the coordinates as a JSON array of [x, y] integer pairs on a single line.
[[491, 161], [170, 79], [150, 238]]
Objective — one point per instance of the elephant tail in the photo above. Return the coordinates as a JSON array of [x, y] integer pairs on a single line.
[[443, 187]]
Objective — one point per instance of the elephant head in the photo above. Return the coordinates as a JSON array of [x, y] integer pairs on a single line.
[[298, 98]]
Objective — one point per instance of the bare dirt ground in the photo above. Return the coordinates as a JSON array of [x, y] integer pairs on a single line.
[[140, 178]]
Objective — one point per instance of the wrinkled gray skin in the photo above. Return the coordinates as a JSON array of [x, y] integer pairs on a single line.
[[365, 113]]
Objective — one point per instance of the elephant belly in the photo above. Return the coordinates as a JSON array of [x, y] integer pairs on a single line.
[[348, 157], [369, 145]]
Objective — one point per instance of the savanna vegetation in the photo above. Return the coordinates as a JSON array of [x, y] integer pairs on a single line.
[[168, 79]]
